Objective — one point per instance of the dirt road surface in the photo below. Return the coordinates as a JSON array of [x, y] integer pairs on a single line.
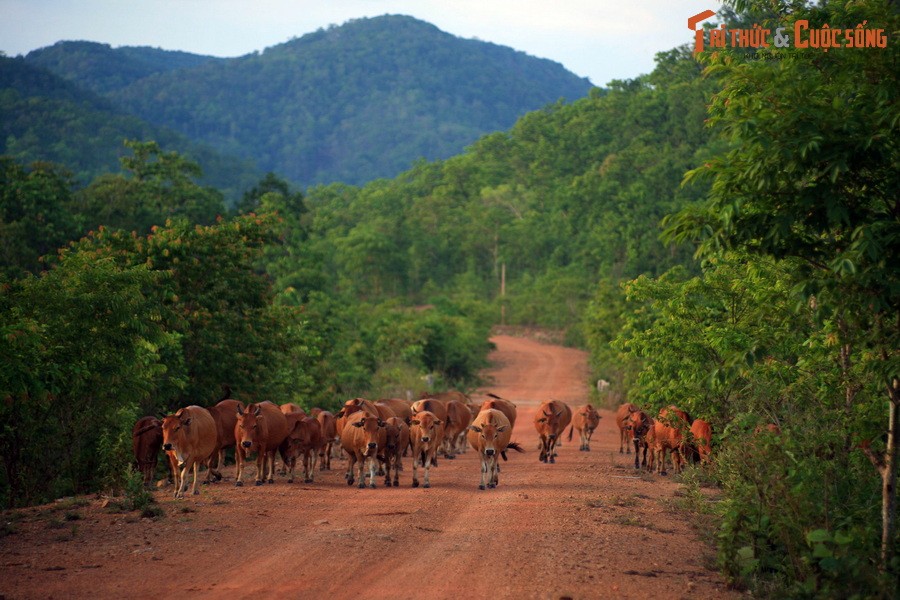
[[585, 527]]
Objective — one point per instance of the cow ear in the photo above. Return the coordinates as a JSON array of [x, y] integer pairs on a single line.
[[475, 429], [381, 423], [240, 410], [414, 421], [542, 420], [257, 409], [186, 422], [502, 428], [438, 422], [339, 413], [558, 413]]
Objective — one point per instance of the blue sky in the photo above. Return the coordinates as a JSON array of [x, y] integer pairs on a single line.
[[598, 39]]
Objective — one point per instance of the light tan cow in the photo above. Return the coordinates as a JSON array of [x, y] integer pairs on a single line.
[[190, 437], [585, 421], [489, 436], [426, 433]]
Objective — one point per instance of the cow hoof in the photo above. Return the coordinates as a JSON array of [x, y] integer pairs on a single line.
[[238, 484], [450, 456], [372, 485], [196, 492], [481, 487], [350, 481], [552, 460], [290, 481], [259, 482], [362, 485], [492, 485], [307, 481], [427, 485], [271, 481], [415, 483]]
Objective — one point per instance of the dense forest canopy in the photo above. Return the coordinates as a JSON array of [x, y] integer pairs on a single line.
[[721, 234], [351, 103]]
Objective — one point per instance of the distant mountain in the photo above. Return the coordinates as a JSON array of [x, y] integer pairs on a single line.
[[350, 103], [43, 117], [102, 69]]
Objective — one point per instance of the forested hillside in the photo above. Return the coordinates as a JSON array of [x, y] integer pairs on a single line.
[[350, 103], [45, 118], [102, 69]]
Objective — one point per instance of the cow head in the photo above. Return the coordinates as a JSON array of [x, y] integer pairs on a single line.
[[638, 424], [247, 429], [492, 441]]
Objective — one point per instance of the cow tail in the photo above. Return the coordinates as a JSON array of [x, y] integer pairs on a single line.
[[513, 446]]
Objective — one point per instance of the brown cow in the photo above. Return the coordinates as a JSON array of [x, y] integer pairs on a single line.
[[458, 419], [504, 406], [400, 408], [550, 420], [623, 418], [489, 435], [190, 437], [304, 439], [436, 407], [329, 436], [426, 434], [702, 435], [585, 421], [362, 439], [259, 428], [396, 442], [639, 425], [445, 396], [146, 440], [225, 415]]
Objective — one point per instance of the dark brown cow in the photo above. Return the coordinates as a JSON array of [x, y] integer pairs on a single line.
[[304, 439], [396, 441], [550, 420], [146, 440], [329, 436], [259, 428], [623, 418], [585, 421], [702, 435], [426, 434], [489, 435], [639, 425], [363, 439], [190, 437], [225, 415]]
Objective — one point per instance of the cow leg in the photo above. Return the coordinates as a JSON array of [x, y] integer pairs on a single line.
[[362, 471], [415, 464], [484, 470], [427, 471], [260, 467], [270, 456], [194, 490], [239, 465], [551, 452], [351, 462], [495, 472], [373, 460], [661, 461]]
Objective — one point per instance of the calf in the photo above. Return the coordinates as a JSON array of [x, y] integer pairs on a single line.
[[259, 428], [489, 436], [146, 440], [396, 442], [190, 437], [426, 433], [362, 439], [585, 421], [550, 420], [304, 439], [623, 418]]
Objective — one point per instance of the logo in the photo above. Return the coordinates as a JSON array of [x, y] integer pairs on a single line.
[[823, 38]]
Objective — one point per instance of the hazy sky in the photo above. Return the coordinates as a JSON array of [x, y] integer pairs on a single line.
[[598, 39]]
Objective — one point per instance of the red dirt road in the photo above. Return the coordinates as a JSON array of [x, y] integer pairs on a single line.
[[585, 527]]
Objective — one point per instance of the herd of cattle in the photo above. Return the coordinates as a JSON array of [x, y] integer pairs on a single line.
[[375, 436]]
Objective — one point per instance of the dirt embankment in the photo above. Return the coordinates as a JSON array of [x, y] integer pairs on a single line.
[[585, 527]]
